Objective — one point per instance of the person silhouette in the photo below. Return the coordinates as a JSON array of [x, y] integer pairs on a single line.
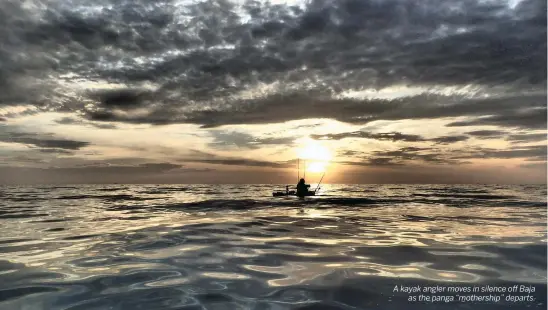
[[302, 188]]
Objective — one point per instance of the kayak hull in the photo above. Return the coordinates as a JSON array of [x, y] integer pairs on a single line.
[[292, 193]]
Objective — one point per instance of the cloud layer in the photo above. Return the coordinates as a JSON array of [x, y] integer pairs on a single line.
[[221, 62]]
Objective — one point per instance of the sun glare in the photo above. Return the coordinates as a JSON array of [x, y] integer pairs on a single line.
[[316, 166], [315, 155], [314, 150]]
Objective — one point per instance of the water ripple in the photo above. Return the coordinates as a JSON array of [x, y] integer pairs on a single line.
[[102, 247]]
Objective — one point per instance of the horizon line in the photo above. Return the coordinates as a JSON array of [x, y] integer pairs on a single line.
[[270, 184]]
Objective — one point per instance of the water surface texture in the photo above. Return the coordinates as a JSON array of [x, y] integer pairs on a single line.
[[236, 247]]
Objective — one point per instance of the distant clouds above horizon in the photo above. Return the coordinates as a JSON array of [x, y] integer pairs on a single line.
[[221, 91]]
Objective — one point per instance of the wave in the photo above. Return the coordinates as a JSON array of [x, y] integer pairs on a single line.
[[244, 204], [105, 197], [164, 190], [482, 197]]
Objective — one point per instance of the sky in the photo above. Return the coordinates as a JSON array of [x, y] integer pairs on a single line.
[[181, 91]]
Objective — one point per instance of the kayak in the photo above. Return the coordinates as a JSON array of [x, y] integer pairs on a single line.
[[292, 193]]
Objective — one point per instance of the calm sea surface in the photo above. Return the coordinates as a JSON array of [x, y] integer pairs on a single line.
[[236, 247]]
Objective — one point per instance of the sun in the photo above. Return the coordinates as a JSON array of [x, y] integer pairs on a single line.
[[314, 150], [315, 155]]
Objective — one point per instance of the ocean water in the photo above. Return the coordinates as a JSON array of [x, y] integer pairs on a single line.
[[236, 247]]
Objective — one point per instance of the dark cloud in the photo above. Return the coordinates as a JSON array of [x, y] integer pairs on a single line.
[[123, 98], [52, 143], [410, 156], [3, 119], [67, 121], [392, 136], [487, 134], [160, 166], [374, 162], [276, 108], [529, 118], [55, 151], [348, 153], [201, 56], [42, 141], [449, 139], [415, 153], [405, 156], [536, 152], [103, 126], [514, 138], [227, 139], [528, 137]]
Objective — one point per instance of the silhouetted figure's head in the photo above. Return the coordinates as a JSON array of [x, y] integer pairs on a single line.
[[301, 181]]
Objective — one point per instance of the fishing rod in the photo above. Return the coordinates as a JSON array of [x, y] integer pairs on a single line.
[[298, 170], [318, 187]]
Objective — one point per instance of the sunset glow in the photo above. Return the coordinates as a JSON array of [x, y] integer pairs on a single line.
[[314, 150]]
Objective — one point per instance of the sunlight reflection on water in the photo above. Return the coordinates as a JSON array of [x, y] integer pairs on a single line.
[[165, 247]]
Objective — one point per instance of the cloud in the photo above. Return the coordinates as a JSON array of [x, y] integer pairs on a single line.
[[405, 156], [347, 153], [513, 138], [449, 139], [74, 121], [42, 141], [122, 98], [414, 153], [391, 136], [276, 108], [487, 134], [535, 152], [215, 63], [411, 156], [55, 151], [208, 158], [530, 137], [528, 119], [159, 166], [374, 162], [227, 139]]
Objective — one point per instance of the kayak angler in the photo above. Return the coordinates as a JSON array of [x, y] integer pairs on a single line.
[[302, 188]]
